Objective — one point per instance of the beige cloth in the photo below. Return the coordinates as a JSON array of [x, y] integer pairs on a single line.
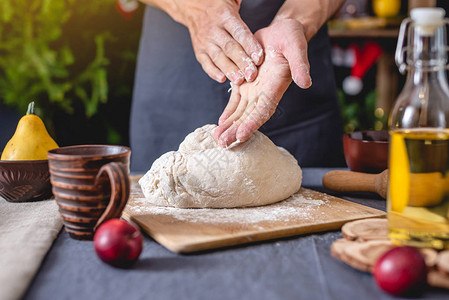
[[27, 231]]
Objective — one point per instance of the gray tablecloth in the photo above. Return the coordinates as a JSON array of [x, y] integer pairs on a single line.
[[293, 268]]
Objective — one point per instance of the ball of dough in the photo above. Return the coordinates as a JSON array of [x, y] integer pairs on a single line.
[[203, 174]]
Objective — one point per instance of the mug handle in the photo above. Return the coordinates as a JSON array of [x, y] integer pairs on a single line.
[[119, 180]]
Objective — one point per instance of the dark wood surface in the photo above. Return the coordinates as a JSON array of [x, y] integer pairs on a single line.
[[364, 33]]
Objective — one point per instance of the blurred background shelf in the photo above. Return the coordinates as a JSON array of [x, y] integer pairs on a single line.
[[364, 33], [79, 66], [386, 85], [357, 23]]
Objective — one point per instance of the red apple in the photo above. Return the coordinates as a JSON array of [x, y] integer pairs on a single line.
[[118, 243], [401, 271]]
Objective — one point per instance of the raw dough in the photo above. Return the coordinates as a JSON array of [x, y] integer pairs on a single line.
[[202, 174]]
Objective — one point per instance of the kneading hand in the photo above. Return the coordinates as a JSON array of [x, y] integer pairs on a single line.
[[252, 104], [222, 42]]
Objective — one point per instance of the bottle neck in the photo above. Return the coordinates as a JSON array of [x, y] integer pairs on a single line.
[[427, 47], [418, 76], [427, 57], [423, 101]]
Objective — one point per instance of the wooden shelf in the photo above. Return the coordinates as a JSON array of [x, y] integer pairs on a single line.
[[364, 33]]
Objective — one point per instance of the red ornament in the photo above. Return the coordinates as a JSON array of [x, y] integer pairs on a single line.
[[364, 59], [127, 7]]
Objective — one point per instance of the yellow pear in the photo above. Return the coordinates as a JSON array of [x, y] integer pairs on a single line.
[[31, 140]]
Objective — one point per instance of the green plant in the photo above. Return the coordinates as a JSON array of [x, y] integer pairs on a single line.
[[35, 57], [361, 115], [71, 57]]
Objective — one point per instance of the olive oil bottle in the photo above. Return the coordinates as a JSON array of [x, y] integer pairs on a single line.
[[418, 195]]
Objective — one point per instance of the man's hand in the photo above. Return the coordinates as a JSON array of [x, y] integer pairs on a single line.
[[223, 43], [252, 104]]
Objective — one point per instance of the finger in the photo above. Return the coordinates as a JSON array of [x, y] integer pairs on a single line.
[[222, 124], [296, 55], [230, 135], [229, 122], [231, 71], [243, 35], [236, 53], [242, 106], [247, 128], [264, 109], [231, 106], [210, 68]]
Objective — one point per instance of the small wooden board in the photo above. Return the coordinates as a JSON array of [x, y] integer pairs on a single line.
[[362, 247], [192, 230]]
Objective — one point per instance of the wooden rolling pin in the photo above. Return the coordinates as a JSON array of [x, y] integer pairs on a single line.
[[348, 181]]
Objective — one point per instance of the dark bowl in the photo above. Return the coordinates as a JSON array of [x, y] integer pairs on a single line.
[[366, 151], [24, 180]]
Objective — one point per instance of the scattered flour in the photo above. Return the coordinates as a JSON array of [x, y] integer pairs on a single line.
[[302, 206]]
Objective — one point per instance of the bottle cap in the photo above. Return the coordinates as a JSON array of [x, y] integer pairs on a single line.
[[427, 16]]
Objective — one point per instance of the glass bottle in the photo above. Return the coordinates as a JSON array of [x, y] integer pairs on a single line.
[[418, 195]]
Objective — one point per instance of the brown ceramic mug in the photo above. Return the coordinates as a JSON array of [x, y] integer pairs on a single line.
[[90, 184]]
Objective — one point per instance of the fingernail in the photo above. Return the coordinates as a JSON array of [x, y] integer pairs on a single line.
[[304, 81], [256, 56], [249, 73], [220, 78], [222, 118], [217, 134], [221, 142], [240, 136], [237, 77], [242, 133]]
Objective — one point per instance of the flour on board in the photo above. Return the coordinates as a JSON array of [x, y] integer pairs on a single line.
[[301, 205]]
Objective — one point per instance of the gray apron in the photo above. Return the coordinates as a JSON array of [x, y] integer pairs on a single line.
[[173, 96]]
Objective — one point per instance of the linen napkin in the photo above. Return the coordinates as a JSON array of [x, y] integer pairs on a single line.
[[27, 231]]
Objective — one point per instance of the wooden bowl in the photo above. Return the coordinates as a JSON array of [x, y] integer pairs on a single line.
[[366, 151], [24, 180]]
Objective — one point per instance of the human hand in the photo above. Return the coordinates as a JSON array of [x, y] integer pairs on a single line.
[[222, 42], [252, 104]]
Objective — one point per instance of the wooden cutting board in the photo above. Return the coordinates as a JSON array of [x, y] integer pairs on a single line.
[[192, 230]]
